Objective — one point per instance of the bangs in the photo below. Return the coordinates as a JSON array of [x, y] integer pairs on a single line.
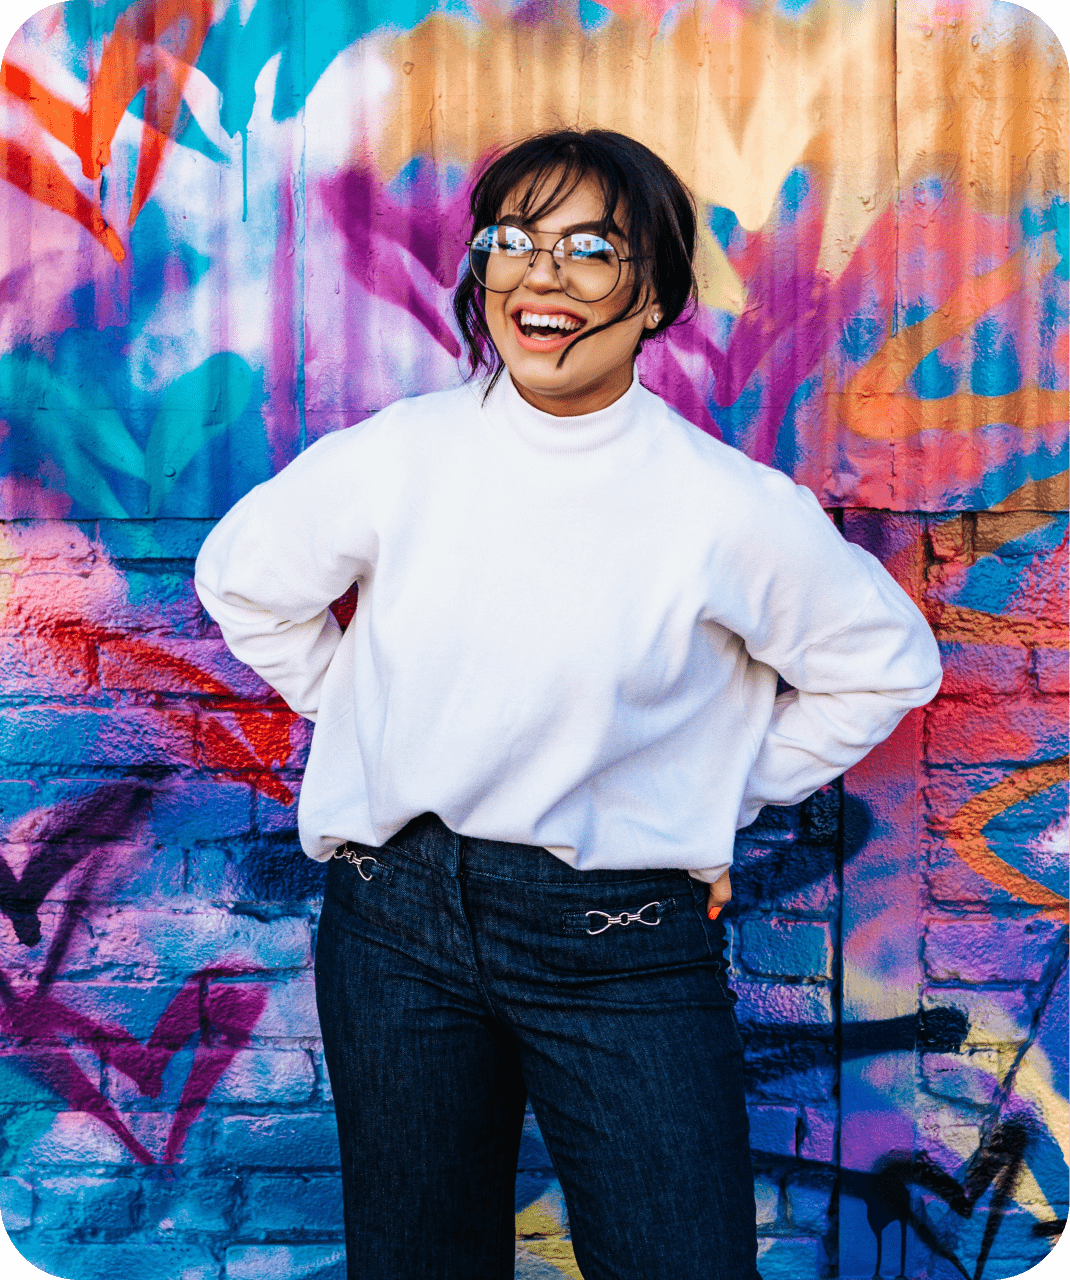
[[548, 182]]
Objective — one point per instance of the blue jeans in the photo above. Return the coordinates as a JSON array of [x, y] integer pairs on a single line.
[[457, 977]]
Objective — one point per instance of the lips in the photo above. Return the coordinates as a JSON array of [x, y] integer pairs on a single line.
[[541, 328]]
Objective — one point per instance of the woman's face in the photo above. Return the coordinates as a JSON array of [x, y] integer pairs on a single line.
[[599, 369]]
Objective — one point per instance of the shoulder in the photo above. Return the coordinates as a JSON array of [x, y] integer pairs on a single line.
[[712, 469], [414, 422]]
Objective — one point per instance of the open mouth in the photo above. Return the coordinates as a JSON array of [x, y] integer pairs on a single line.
[[554, 328]]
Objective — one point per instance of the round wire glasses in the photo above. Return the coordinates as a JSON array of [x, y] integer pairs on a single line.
[[588, 267]]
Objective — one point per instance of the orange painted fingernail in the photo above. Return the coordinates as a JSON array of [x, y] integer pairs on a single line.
[[714, 912]]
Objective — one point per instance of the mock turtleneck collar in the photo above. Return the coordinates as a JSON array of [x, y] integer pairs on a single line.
[[550, 434]]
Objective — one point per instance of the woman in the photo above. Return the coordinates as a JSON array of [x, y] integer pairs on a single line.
[[554, 706]]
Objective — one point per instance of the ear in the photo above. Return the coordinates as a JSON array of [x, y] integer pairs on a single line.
[[653, 317]]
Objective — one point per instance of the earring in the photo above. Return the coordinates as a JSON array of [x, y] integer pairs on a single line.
[[656, 317]]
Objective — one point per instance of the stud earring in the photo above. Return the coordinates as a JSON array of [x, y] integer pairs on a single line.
[[656, 317]]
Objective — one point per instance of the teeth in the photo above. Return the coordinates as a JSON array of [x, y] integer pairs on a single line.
[[535, 319]]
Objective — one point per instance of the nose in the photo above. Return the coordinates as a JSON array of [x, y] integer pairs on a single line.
[[542, 273]]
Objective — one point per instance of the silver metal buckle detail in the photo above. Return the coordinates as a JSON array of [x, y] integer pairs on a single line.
[[625, 918], [356, 859]]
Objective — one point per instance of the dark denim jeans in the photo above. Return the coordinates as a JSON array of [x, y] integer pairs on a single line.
[[455, 978]]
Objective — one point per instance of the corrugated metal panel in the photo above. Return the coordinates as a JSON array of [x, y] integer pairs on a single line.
[[883, 252]]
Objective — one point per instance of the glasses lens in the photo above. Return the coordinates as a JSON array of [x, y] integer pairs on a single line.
[[590, 265], [500, 256]]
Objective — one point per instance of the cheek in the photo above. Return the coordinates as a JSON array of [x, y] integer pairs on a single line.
[[494, 310]]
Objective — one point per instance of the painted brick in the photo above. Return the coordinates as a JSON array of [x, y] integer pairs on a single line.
[[1051, 670], [43, 667], [766, 1200], [135, 1006], [790, 1068], [533, 1153], [139, 944], [994, 530], [818, 1141], [126, 1096], [813, 897], [951, 1134], [947, 788], [17, 797], [167, 601], [787, 948], [258, 869], [1017, 1249], [772, 1129], [16, 1203], [150, 539], [988, 950], [68, 736], [130, 1261], [1029, 728], [189, 810], [779, 823], [273, 815], [951, 539], [189, 1202], [272, 1205], [286, 1262], [527, 1266], [951, 883], [290, 1012], [323, 1077], [215, 873], [806, 1004], [972, 1078], [821, 814], [781, 1258], [163, 665], [809, 1199], [22, 1072], [267, 1076], [983, 669], [87, 1205], [308, 1140], [997, 1017], [75, 1137]]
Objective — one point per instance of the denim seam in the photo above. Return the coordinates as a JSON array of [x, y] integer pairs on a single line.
[[697, 896], [653, 878]]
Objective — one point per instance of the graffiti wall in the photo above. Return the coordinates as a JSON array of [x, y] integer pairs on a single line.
[[228, 228]]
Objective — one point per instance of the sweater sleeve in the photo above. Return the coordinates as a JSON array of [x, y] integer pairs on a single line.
[[271, 567], [833, 622]]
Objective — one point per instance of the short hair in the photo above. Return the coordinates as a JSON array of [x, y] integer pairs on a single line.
[[659, 212]]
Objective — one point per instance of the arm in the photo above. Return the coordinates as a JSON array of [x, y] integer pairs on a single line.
[[851, 690], [833, 622], [269, 569]]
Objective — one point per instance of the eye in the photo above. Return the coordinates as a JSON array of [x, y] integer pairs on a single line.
[[584, 247], [513, 242]]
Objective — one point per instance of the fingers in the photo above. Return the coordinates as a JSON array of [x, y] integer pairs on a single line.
[[720, 894]]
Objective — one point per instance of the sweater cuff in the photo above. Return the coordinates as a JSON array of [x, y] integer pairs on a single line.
[[709, 874]]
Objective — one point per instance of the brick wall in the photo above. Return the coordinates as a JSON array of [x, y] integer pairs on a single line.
[[163, 1101]]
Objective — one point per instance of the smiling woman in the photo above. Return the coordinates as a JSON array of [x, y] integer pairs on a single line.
[[555, 704]]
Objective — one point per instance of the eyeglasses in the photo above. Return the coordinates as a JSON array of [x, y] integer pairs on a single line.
[[587, 266]]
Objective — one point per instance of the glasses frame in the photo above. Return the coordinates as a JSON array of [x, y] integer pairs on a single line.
[[535, 253]]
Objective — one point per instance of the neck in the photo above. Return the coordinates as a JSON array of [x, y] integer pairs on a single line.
[[576, 402]]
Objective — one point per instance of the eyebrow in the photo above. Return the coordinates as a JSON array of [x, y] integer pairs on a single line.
[[597, 227]]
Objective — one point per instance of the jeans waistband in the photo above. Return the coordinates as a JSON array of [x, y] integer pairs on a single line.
[[428, 839]]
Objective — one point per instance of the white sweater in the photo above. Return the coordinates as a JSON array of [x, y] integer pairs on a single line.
[[568, 631]]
